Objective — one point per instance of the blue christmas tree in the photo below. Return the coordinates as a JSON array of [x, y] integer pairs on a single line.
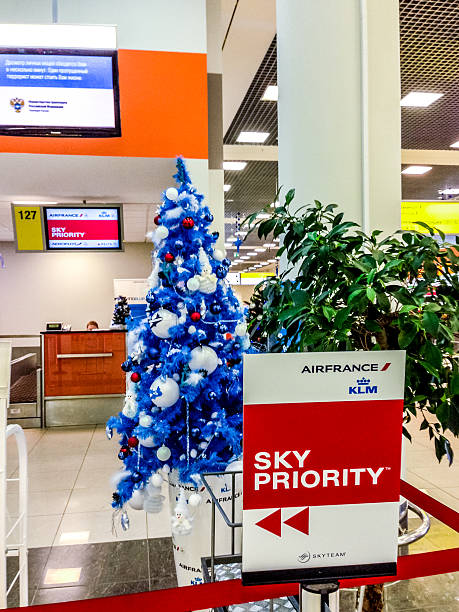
[[183, 408]]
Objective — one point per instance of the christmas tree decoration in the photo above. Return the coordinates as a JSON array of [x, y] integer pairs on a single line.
[[184, 396], [157, 220], [181, 521], [169, 258], [121, 313]]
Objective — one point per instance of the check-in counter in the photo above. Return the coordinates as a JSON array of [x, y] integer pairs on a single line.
[[83, 380]]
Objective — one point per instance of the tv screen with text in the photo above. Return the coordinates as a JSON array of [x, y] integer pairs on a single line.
[[79, 229]]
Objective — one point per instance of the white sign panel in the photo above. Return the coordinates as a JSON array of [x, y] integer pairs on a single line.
[[322, 449], [134, 289]]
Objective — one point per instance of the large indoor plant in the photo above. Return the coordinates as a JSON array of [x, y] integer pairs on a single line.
[[342, 289]]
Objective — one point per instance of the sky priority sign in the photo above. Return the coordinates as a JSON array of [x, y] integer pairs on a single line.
[[322, 446]]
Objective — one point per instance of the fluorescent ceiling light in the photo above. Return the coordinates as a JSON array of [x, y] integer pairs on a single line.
[[260, 250], [275, 204], [271, 93], [269, 245], [244, 257], [455, 145], [271, 260], [417, 170], [229, 245], [419, 98], [263, 216], [25, 202], [234, 165], [257, 137], [241, 233], [258, 266], [226, 187], [231, 239], [252, 253]]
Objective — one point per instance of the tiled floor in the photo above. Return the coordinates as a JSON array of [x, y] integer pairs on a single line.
[[70, 490], [70, 525]]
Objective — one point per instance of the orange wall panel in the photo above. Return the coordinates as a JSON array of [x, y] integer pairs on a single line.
[[163, 107], [84, 376]]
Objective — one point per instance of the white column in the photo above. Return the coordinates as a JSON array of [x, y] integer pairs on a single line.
[[339, 106], [215, 102]]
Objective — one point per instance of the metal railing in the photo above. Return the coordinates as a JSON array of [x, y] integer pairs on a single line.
[[19, 526]]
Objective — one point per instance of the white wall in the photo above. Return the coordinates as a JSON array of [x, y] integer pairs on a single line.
[[68, 287]]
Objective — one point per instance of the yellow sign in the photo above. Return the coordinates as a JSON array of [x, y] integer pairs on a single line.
[[28, 228], [441, 213]]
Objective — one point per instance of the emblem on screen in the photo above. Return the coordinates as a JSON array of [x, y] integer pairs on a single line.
[[17, 104]]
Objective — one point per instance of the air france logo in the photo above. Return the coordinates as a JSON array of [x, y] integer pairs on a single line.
[[363, 387]]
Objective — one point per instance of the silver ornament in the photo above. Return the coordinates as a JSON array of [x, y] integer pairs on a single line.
[[125, 521], [109, 432]]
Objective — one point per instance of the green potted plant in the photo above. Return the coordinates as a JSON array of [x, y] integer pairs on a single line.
[[342, 289]]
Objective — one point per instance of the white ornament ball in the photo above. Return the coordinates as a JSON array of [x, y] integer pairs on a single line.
[[240, 329], [193, 453], [145, 420], [156, 480], [161, 321], [203, 358], [170, 391], [147, 442], [165, 469], [193, 283], [163, 453], [218, 255], [137, 500], [172, 194], [161, 232], [176, 377], [194, 500], [191, 329], [234, 466]]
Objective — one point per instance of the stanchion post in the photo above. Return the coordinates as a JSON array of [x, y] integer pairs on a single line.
[[316, 597]]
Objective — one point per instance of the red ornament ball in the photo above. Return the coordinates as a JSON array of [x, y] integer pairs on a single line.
[[157, 220], [135, 377], [133, 442], [169, 258], [228, 336], [188, 222], [195, 316]]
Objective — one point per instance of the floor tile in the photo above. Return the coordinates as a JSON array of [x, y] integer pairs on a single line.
[[58, 463], [96, 462], [90, 500], [42, 481], [99, 525], [60, 594], [41, 503], [41, 530], [94, 478], [112, 589]]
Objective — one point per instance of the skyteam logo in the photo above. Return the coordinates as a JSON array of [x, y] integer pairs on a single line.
[[363, 387]]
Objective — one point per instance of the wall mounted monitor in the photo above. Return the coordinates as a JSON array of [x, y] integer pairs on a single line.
[[83, 228], [59, 92]]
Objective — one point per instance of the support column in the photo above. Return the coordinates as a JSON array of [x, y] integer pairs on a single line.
[[215, 113], [339, 106]]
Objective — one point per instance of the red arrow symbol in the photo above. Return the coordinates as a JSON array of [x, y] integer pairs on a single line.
[[299, 521], [273, 522]]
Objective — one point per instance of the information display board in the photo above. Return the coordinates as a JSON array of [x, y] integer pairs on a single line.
[[322, 452], [441, 214], [28, 228], [87, 228]]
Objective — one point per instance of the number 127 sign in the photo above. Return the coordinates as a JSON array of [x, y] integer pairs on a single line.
[[322, 447]]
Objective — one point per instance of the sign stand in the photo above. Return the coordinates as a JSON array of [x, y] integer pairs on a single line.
[[322, 590]]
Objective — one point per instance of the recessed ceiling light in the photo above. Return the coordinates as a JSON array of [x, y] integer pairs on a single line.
[[257, 137], [269, 245], [244, 257], [234, 165], [417, 169], [260, 250], [455, 145], [419, 98], [271, 93], [263, 216], [228, 245], [26, 202], [241, 233], [231, 239], [271, 260], [226, 187], [258, 266], [252, 253]]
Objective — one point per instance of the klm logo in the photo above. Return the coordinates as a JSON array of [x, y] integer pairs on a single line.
[[363, 387]]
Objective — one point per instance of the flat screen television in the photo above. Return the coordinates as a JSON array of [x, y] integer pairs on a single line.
[[59, 92], [83, 228]]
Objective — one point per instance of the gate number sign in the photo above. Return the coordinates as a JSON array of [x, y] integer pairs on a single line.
[[322, 447]]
